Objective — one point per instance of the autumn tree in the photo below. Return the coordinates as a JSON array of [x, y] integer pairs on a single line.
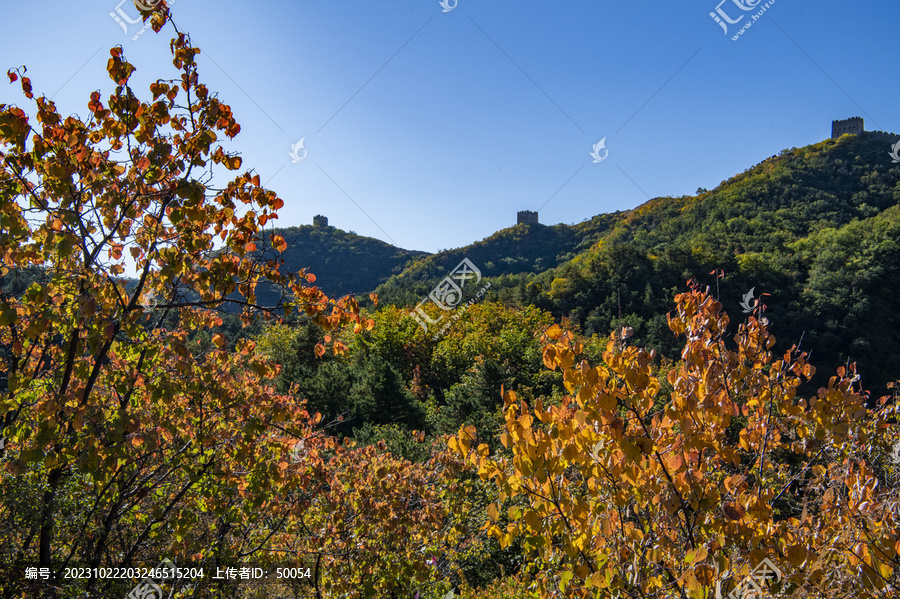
[[387, 527], [642, 483], [123, 443]]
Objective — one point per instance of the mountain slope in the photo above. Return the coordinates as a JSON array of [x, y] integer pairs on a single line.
[[517, 250], [344, 263], [814, 227]]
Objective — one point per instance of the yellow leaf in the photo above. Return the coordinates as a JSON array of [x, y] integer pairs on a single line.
[[554, 332], [632, 451], [690, 582], [695, 555], [564, 579], [493, 512], [580, 417]]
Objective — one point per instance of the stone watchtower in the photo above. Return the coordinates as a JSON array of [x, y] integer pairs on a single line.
[[320, 221], [854, 125], [527, 217]]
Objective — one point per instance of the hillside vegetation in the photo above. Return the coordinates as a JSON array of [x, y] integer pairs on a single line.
[[344, 263], [815, 228]]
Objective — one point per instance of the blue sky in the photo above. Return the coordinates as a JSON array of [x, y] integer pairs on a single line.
[[431, 129]]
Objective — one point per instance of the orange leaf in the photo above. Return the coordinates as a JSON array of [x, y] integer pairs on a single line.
[[733, 481]]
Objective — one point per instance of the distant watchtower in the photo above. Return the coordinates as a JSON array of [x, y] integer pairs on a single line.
[[854, 125], [320, 221], [528, 217]]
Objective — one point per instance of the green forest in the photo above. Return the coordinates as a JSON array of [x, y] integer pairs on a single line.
[[592, 410]]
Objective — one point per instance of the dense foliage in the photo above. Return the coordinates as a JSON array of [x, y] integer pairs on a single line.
[[627, 488]]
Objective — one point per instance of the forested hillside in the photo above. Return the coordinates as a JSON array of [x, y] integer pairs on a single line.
[[815, 228], [519, 250], [344, 263]]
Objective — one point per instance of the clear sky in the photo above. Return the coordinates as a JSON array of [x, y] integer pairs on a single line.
[[431, 129]]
